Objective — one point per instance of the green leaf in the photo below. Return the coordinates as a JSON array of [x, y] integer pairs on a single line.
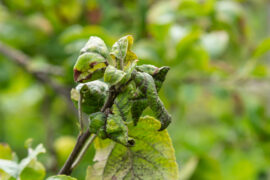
[[262, 48], [61, 177], [113, 76], [152, 156]]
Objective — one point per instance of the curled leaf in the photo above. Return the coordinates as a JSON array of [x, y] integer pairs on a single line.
[[121, 53], [96, 45], [113, 76], [146, 84], [93, 95], [97, 121], [89, 66], [118, 131]]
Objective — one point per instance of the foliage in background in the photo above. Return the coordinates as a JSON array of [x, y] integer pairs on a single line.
[[217, 88]]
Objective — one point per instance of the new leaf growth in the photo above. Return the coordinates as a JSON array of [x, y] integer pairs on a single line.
[[98, 70]]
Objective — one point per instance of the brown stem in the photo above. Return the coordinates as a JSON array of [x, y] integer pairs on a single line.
[[82, 138]]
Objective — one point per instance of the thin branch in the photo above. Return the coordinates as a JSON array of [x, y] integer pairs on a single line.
[[83, 151], [82, 138], [80, 112], [24, 61]]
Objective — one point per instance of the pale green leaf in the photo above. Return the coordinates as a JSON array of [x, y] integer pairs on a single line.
[[215, 43], [162, 12], [96, 45], [61, 177], [152, 156], [228, 11], [14, 169], [32, 154], [10, 167]]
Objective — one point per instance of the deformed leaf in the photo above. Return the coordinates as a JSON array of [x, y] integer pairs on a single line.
[[119, 49], [118, 131], [121, 53], [113, 75], [93, 95], [89, 66], [122, 104], [152, 156], [97, 121], [146, 84], [158, 74], [138, 106], [61, 177]]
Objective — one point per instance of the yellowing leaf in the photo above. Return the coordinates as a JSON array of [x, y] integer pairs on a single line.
[[121, 53], [152, 156]]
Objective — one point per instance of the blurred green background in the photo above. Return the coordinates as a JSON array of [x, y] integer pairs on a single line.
[[217, 90]]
